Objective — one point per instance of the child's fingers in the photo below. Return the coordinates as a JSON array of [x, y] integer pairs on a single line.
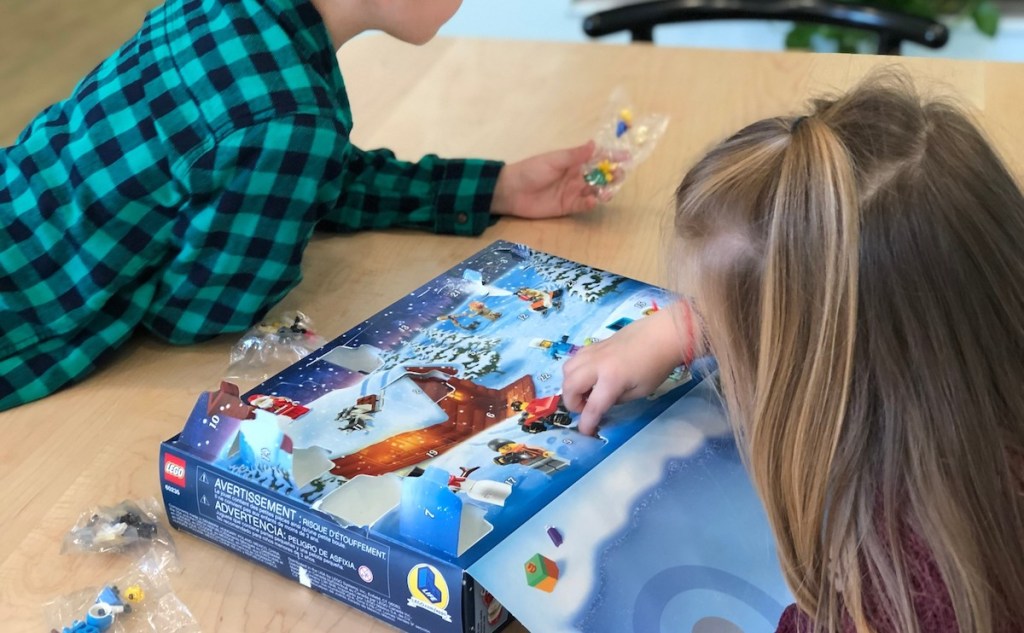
[[583, 203], [572, 157], [576, 385], [579, 401], [578, 196], [583, 153], [605, 194], [601, 398]]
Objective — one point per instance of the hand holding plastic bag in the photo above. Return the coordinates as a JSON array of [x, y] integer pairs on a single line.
[[624, 140]]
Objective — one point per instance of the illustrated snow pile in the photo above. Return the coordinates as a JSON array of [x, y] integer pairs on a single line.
[[427, 454]]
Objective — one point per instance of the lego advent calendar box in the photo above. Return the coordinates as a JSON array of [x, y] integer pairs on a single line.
[[422, 467]]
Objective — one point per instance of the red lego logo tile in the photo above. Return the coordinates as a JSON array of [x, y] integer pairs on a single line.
[[174, 470]]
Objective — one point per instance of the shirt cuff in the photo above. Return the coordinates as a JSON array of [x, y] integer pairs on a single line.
[[465, 190]]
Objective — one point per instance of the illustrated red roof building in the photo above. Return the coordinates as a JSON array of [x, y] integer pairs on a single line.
[[470, 408]]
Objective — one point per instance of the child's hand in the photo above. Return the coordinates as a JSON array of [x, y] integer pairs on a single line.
[[629, 365], [546, 186]]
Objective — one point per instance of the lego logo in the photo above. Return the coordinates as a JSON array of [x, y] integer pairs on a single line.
[[174, 470]]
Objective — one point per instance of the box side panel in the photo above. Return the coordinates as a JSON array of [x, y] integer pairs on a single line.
[[396, 584], [483, 612]]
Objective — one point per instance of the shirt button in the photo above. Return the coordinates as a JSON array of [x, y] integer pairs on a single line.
[[462, 218]]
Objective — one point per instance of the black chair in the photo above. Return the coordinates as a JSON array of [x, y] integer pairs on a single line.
[[892, 27]]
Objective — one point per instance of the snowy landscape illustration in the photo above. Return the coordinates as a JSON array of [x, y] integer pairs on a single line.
[[458, 382]]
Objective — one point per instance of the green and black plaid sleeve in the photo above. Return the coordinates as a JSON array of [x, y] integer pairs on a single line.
[[435, 194], [178, 186]]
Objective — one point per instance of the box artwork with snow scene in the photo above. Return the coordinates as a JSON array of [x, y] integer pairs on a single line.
[[426, 455]]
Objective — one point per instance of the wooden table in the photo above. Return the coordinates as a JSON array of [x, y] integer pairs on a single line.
[[98, 442]]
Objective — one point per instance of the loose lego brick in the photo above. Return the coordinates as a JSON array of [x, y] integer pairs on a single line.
[[555, 536], [541, 572]]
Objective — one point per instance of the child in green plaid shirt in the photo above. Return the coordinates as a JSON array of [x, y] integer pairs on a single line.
[[178, 186]]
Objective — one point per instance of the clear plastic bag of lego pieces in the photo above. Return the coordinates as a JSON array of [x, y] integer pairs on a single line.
[[129, 527], [139, 601], [271, 345], [625, 139]]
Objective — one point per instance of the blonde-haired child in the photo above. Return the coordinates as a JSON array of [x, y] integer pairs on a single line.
[[858, 273]]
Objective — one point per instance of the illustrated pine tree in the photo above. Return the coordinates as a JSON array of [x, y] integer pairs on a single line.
[[477, 355], [267, 476], [589, 284]]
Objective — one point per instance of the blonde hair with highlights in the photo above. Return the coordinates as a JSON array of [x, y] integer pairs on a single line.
[[860, 273]]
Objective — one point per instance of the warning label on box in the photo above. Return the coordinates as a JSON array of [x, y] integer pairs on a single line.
[[288, 528]]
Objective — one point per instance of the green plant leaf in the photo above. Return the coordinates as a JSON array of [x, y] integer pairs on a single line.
[[850, 40], [986, 17], [924, 8], [800, 36], [985, 14]]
